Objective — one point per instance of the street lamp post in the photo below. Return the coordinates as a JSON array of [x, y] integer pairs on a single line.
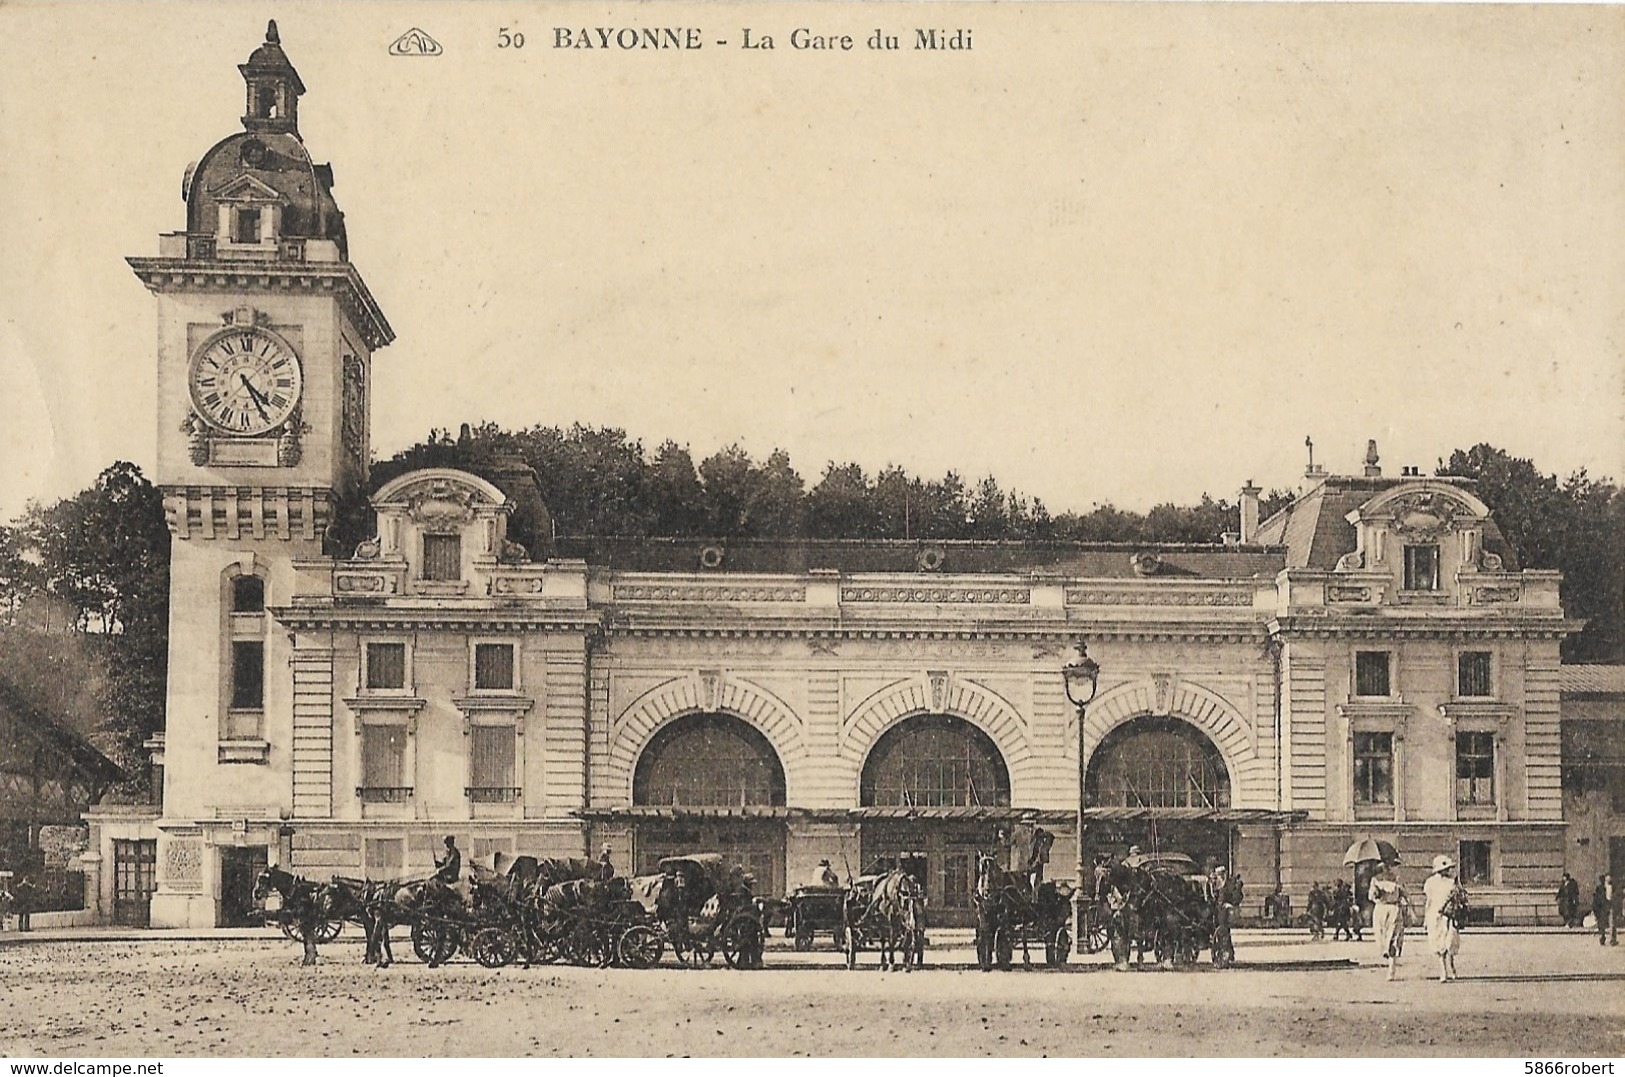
[[1082, 679]]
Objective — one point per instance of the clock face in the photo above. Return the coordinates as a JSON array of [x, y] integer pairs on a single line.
[[245, 381]]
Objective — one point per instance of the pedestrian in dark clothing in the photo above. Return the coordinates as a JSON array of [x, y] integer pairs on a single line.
[[1605, 907], [1315, 908], [22, 896], [1568, 900], [1342, 908]]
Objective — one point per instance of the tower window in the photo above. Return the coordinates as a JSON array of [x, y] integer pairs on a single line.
[[247, 675], [247, 595], [245, 226]]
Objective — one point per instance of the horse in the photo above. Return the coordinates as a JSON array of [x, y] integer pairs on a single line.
[[410, 902], [586, 906], [893, 914], [309, 902], [354, 900], [1002, 903]]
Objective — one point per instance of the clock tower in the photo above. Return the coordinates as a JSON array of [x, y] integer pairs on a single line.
[[265, 339]]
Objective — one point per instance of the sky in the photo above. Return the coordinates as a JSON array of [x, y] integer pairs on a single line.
[[1112, 253]]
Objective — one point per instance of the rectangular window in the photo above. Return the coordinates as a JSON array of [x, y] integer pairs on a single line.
[[1474, 869], [956, 881], [1373, 768], [493, 666], [384, 858], [442, 557], [1475, 768], [246, 226], [1473, 674], [1421, 568], [386, 665], [247, 675], [383, 763], [1371, 673], [491, 749]]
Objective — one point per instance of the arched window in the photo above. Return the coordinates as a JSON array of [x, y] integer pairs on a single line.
[[1157, 762], [708, 760], [935, 761], [247, 595]]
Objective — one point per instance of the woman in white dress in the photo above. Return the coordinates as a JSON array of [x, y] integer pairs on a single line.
[[1444, 938], [1388, 916]]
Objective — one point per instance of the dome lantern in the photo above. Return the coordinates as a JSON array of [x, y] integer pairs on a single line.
[[273, 87]]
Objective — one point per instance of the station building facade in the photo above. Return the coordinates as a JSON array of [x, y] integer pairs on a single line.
[[1369, 662]]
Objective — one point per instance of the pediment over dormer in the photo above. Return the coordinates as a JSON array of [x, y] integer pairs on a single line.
[[245, 188], [1424, 510], [444, 524], [1422, 534]]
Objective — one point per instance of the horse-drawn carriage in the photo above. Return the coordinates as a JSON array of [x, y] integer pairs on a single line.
[[1166, 907], [1011, 912], [816, 909], [700, 905]]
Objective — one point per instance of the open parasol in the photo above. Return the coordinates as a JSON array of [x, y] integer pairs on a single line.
[[1368, 850]]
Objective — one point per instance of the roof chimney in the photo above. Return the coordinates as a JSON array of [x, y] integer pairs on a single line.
[[1312, 471], [1372, 471], [1249, 512]]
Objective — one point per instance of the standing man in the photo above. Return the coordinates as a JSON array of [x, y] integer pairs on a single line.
[[606, 866], [1605, 907], [1226, 897], [1568, 901], [1316, 908], [22, 896]]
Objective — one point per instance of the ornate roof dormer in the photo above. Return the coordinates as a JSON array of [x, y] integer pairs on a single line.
[[273, 87]]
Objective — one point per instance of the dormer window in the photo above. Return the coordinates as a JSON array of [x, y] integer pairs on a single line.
[[442, 557], [245, 225], [1422, 568]]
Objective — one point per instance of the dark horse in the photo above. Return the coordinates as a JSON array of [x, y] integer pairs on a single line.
[[353, 900], [413, 903], [310, 903]]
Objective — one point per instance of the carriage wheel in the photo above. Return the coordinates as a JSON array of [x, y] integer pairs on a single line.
[[804, 938], [640, 947], [435, 943], [1096, 932], [585, 946], [329, 930], [493, 947], [1058, 947], [289, 926], [741, 943]]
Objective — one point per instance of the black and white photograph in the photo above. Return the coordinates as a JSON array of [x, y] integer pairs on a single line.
[[864, 530]]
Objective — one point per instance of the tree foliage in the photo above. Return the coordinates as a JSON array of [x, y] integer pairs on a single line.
[[1576, 525], [92, 570]]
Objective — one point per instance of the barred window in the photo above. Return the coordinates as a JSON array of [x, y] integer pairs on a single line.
[[1373, 768], [1371, 673], [386, 665], [1473, 674], [1475, 768], [493, 666], [1475, 863], [442, 557]]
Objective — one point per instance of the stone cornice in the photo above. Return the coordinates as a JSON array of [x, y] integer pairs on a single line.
[[401, 618], [213, 275], [1440, 626]]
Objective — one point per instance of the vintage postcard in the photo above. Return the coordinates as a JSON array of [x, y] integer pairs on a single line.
[[812, 529]]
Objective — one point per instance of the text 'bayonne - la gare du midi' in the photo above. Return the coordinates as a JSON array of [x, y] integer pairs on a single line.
[[800, 39]]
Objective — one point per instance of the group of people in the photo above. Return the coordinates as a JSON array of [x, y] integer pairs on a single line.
[[17, 901], [1605, 907], [1444, 914], [1335, 904]]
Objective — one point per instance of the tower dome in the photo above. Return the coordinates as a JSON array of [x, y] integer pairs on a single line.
[[258, 189]]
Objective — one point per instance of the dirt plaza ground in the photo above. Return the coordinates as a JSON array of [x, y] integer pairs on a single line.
[[1543, 995]]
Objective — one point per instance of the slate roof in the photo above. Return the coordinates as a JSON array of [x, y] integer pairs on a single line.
[[1315, 528], [1586, 680], [1090, 560], [22, 722]]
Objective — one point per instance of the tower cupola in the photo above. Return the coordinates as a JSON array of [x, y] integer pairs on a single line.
[[273, 87]]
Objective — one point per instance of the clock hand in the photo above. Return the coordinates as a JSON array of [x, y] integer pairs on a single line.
[[254, 394]]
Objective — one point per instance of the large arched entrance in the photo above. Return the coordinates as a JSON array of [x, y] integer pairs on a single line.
[[702, 767], [924, 782], [1158, 782]]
